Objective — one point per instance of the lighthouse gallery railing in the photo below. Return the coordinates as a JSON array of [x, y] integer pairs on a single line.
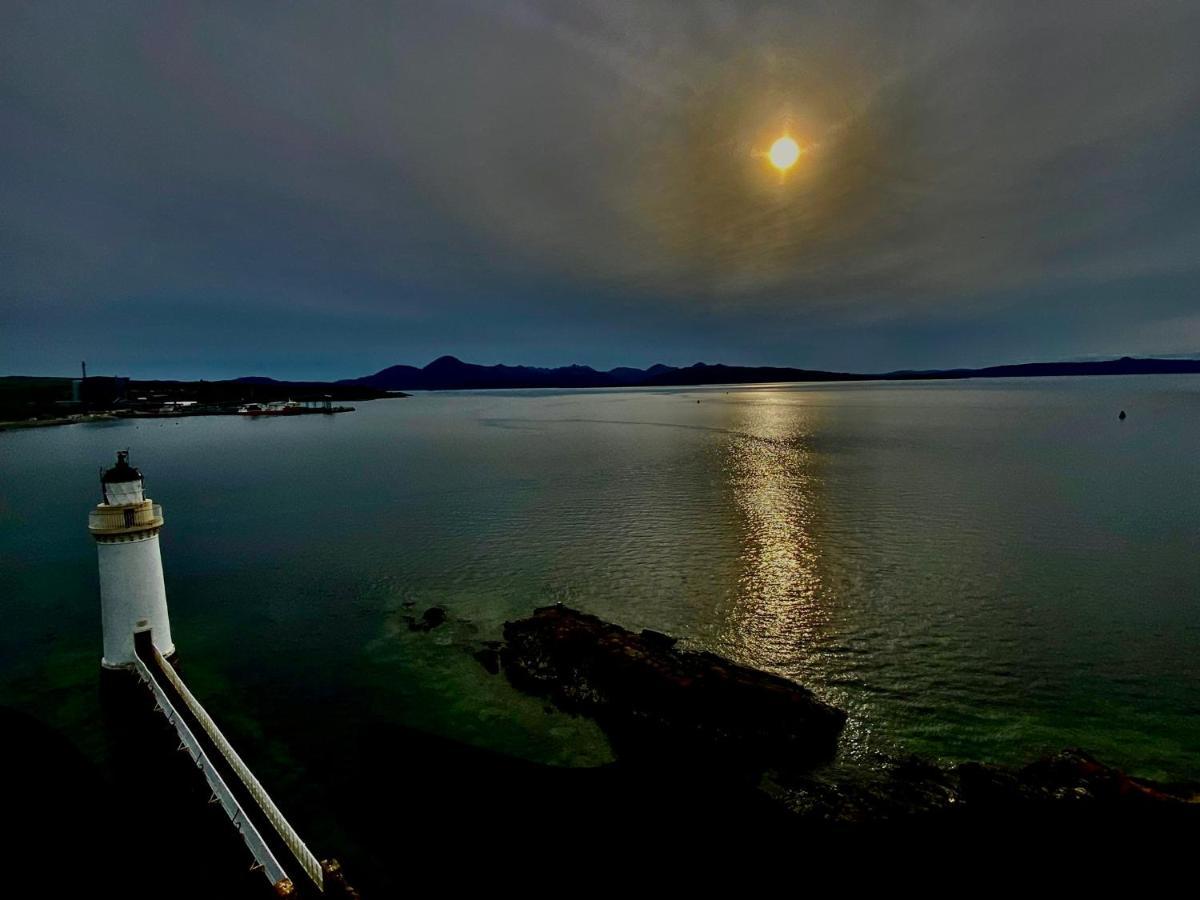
[[303, 855], [120, 518]]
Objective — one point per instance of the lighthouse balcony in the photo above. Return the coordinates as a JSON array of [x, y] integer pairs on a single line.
[[125, 519]]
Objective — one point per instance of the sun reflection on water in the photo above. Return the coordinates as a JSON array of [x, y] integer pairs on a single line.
[[771, 470]]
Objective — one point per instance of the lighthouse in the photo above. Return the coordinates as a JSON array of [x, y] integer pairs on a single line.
[[133, 597]]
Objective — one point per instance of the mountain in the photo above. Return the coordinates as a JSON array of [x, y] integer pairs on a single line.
[[450, 373], [703, 373], [1126, 365]]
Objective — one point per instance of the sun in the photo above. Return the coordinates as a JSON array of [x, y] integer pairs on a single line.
[[784, 153]]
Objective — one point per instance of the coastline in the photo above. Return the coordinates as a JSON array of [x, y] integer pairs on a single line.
[[81, 419], [33, 402], [86, 418]]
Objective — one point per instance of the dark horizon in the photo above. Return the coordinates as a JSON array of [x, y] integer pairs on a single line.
[[1102, 365]]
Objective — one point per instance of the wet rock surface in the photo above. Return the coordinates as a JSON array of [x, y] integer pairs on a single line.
[[652, 697], [1070, 788], [699, 717]]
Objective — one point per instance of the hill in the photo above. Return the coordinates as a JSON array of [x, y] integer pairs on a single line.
[[450, 373]]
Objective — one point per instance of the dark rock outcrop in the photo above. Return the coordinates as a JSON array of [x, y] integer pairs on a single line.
[[1069, 789], [654, 698], [430, 619], [336, 884], [1071, 776], [695, 718]]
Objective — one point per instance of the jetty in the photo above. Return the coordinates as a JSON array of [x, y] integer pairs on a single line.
[[266, 832]]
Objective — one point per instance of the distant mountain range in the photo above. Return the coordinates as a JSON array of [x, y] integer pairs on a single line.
[[449, 373]]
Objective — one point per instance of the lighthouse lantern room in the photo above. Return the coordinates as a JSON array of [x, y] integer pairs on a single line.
[[133, 597]]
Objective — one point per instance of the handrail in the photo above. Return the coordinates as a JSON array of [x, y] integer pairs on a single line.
[[304, 856], [250, 834]]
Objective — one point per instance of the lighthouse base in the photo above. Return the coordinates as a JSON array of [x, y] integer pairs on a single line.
[[170, 655]]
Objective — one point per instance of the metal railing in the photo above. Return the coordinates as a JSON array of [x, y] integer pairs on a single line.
[[116, 519], [250, 834], [287, 833]]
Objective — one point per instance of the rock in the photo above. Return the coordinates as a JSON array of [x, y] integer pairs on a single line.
[[489, 658], [695, 718], [651, 697], [658, 640], [877, 795], [336, 884], [430, 619], [1076, 776], [1069, 791]]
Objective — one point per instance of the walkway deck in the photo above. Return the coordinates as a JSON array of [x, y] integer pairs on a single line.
[[266, 833]]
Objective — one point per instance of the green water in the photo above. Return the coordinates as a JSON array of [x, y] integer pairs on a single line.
[[974, 570]]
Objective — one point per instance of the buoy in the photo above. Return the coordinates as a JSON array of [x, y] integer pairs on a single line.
[[1122, 416]]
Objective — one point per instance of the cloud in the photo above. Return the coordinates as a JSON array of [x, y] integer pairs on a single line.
[[953, 152], [408, 159]]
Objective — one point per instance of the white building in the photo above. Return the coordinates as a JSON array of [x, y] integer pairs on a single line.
[[132, 594]]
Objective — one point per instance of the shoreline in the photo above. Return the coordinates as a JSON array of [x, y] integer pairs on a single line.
[[33, 402], [83, 419], [113, 416]]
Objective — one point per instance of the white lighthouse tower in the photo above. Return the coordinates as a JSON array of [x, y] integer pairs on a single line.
[[132, 594]]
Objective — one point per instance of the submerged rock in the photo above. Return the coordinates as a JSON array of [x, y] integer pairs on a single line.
[[654, 698], [430, 619], [489, 657]]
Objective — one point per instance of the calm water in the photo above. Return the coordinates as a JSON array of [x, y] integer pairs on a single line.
[[974, 570]]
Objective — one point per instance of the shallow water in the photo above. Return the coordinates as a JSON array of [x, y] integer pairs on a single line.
[[975, 570]]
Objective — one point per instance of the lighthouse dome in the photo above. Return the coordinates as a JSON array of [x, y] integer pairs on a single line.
[[122, 483]]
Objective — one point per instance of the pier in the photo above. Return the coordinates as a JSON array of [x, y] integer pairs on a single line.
[[277, 850]]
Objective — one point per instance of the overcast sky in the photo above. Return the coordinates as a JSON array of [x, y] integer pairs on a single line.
[[321, 189]]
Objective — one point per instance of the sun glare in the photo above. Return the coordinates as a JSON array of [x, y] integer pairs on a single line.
[[784, 153]]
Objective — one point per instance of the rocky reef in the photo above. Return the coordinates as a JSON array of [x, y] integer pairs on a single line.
[[685, 711], [1069, 789], [650, 695], [430, 619]]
